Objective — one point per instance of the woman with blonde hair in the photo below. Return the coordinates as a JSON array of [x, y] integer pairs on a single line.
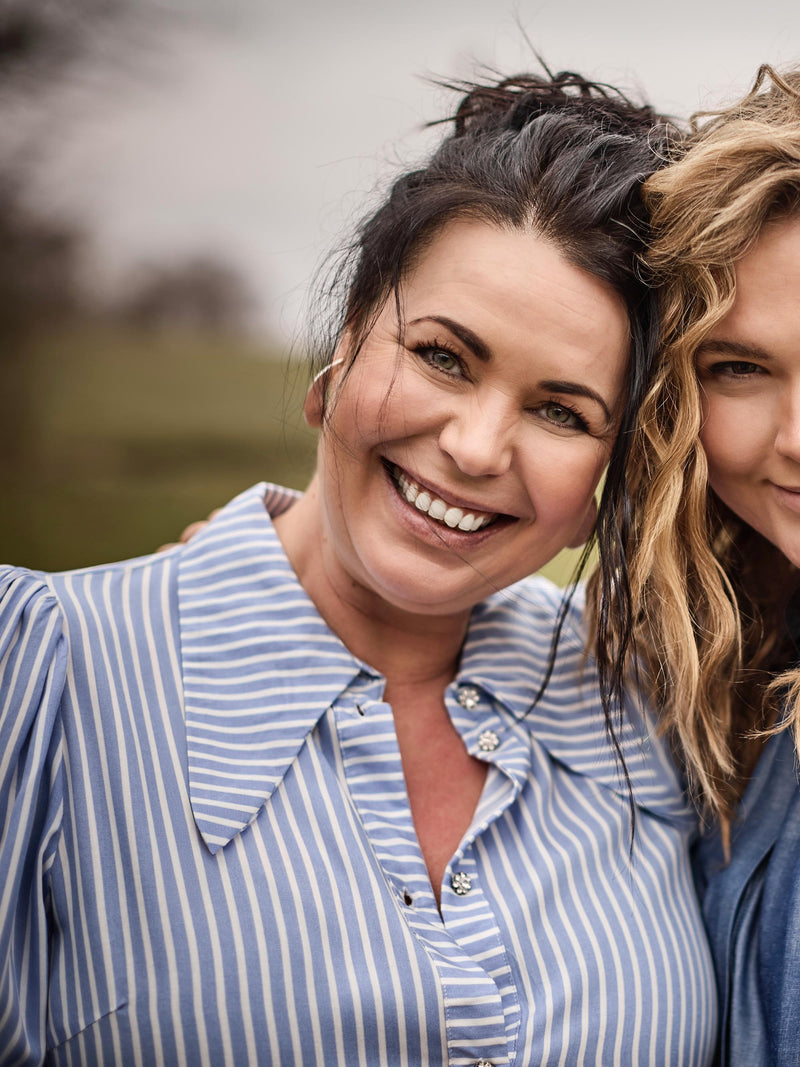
[[714, 573]]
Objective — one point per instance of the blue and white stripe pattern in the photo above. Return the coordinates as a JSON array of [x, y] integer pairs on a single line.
[[207, 855]]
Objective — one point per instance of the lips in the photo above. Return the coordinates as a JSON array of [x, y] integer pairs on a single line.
[[789, 496], [468, 520]]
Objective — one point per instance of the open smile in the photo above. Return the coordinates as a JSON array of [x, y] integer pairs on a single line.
[[426, 500]]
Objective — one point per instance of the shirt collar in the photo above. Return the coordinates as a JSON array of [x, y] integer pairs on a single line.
[[260, 667], [507, 654], [259, 664]]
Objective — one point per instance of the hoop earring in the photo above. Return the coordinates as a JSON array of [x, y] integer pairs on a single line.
[[326, 370]]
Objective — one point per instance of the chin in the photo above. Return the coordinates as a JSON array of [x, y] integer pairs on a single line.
[[431, 598], [429, 593]]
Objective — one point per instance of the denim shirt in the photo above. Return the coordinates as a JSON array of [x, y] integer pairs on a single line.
[[752, 911]]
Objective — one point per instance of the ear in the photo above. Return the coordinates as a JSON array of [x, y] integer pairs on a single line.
[[312, 408], [315, 397], [584, 531]]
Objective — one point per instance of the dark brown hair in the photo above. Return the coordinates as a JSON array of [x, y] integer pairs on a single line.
[[565, 158]]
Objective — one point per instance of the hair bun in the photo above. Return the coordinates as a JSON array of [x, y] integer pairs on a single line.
[[513, 102]]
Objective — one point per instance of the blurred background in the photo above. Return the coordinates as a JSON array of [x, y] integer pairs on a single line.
[[172, 174]]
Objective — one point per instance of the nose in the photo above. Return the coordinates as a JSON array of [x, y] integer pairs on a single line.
[[787, 434], [479, 437]]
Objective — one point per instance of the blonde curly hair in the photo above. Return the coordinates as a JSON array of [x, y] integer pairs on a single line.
[[710, 592]]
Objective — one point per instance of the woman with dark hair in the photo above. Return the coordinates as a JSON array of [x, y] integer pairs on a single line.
[[721, 523], [332, 783]]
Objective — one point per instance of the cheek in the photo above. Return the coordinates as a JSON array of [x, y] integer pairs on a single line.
[[376, 407], [733, 440], [564, 474], [357, 420]]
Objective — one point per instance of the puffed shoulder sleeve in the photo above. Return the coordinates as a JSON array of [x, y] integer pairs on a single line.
[[33, 657]]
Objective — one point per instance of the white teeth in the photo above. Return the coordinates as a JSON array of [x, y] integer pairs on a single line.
[[468, 523], [437, 509]]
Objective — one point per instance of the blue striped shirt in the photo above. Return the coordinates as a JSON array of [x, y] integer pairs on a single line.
[[207, 855]]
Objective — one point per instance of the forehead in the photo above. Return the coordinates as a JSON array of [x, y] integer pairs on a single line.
[[772, 265], [472, 252], [766, 308]]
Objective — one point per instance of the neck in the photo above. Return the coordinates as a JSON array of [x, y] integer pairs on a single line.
[[407, 648]]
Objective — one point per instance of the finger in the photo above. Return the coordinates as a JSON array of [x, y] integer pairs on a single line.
[[192, 529]]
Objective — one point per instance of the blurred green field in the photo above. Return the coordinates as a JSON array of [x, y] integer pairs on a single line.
[[133, 435]]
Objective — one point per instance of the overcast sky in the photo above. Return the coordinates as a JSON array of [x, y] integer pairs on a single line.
[[254, 133]]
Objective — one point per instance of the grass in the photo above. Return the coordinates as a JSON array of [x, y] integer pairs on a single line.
[[135, 435]]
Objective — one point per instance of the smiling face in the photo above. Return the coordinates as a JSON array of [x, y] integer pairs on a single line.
[[749, 370], [462, 450]]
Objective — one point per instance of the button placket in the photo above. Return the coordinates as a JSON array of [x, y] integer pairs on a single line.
[[474, 966], [464, 979], [365, 728]]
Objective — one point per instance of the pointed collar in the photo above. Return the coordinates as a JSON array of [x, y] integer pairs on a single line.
[[260, 667], [507, 653], [259, 664]]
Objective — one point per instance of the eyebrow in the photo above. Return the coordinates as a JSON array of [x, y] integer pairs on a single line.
[[484, 353], [575, 389], [733, 348], [479, 348]]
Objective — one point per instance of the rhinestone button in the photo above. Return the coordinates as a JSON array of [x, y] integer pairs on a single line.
[[461, 883], [488, 741], [468, 697]]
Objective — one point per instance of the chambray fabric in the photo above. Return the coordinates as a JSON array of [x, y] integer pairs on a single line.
[[752, 909], [207, 855]]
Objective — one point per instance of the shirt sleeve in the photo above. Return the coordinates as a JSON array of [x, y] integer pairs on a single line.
[[33, 657]]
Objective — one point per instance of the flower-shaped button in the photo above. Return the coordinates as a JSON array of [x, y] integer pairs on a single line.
[[461, 883], [468, 697], [488, 741]]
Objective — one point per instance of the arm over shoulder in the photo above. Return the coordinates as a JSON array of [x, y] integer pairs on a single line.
[[33, 659]]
